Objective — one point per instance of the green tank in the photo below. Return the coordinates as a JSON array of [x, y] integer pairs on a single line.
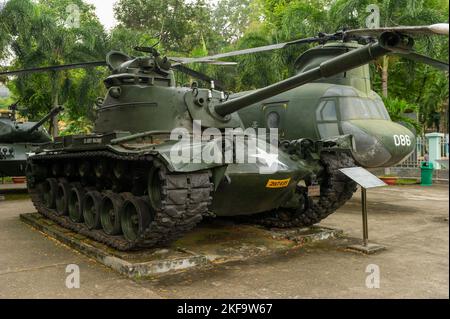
[[18, 139], [129, 184]]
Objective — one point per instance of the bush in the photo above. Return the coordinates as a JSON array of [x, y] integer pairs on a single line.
[[397, 109]]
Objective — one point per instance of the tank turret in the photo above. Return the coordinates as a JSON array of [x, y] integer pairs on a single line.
[[18, 139], [13, 131]]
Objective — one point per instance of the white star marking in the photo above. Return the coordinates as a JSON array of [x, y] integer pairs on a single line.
[[268, 158]]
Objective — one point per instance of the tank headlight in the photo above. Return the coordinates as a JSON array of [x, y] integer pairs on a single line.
[[115, 92]]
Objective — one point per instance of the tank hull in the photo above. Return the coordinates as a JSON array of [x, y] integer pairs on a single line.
[[80, 182]]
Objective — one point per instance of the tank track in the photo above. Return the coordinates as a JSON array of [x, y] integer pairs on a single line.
[[185, 200], [336, 190]]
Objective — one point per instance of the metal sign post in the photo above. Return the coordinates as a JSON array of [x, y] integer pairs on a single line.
[[364, 216], [366, 180]]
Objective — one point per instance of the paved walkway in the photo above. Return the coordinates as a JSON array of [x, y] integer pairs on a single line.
[[411, 221]]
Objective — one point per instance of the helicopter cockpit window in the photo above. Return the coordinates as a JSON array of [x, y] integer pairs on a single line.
[[327, 119], [380, 105], [354, 108], [327, 111]]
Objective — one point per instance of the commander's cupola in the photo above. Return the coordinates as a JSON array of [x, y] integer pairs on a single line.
[[151, 70]]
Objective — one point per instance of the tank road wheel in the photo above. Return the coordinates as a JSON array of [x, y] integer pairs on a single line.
[[110, 211], [84, 168], [91, 209], [154, 189], [62, 197], [175, 202], [35, 173], [57, 168], [120, 170], [135, 218], [101, 168], [49, 190], [76, 198], [69, 169], [337, 189]]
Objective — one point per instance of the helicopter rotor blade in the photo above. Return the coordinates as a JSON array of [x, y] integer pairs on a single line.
[[221, 63], [271, 47], [55, 68], [440, 65], [198, 75], [434, 29], [206, 59]]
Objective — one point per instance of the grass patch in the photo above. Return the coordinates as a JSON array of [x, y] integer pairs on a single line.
[[11, 197], [407, 181], [5, 180]]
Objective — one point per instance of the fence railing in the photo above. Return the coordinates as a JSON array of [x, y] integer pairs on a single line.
[[413, 161], [444, 146]]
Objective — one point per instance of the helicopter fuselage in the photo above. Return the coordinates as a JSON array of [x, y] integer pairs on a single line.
[[339, 105]]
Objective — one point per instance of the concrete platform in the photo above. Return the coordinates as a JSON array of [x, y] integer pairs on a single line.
[[369, 249], [8, 187], [218, 242]]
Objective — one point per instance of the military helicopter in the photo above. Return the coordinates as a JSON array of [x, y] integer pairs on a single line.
[[17, 139], [338, 105], [120, 185]]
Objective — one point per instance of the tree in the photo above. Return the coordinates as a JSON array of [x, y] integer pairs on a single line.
[[179, 25], [231, 18], [40, 34], [350, 13], [397, 109]]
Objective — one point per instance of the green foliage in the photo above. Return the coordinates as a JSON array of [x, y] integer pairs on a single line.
[[32, 33], [125, 39], [36, 34], [398, 108], [5, 102], [81, 125], [179, 24]]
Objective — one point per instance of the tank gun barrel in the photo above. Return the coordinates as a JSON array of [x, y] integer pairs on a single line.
[[387, 43], [50, 114]]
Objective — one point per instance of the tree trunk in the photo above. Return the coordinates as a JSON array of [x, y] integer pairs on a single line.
[[55, 101], [384, 76], [54, 120]]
